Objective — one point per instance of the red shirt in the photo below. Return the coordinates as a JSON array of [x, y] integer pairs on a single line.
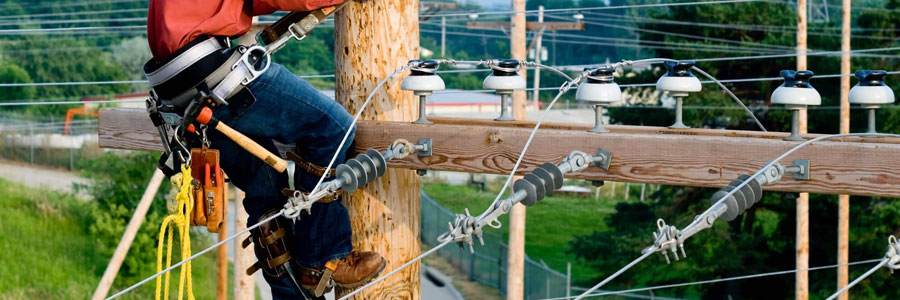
[[171, 24]]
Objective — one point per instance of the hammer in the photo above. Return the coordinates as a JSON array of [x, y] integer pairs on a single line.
[[206, 117]]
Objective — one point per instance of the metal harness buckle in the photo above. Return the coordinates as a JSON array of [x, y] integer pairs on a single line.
[[245, 60]]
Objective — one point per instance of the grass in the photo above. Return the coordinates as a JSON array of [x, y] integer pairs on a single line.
[[550, 224], [49, 254]]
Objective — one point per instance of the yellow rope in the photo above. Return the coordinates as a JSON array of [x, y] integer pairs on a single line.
[[184, 203]]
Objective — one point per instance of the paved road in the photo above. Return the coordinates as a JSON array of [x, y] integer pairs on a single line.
[[40, 177]]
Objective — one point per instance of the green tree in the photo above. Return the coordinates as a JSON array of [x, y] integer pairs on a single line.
[[117, 184], [11, 73]]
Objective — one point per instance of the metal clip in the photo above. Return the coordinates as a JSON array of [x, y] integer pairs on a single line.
[[893, 254], [461, 231], [666, 238], [253, 73]]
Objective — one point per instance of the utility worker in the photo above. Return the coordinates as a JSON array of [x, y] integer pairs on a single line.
[[190, 42]]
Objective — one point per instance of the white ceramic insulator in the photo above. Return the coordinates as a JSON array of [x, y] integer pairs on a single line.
[[599, 93], [422, 83], [504, 83], [871, 95], [674, 84], [796, 96]]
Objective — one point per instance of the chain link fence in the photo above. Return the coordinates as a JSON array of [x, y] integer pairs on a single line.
[[50, 143], [488, 264]]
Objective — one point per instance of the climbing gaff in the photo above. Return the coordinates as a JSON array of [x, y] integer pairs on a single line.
[[529, 190], [356, 172], [727, 204]]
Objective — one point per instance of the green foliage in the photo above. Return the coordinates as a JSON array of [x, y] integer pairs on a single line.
[[544, 241], [117, 184], [52, 255], [12, 73], [311, 56]]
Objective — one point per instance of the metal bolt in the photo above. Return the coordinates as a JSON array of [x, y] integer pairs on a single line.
[[421, 172]]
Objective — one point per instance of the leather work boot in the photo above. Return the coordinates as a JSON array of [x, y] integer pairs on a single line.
[[356, 269]]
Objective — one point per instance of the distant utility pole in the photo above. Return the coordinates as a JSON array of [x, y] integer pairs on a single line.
[[844, 200], [538, 51], [443, 36], [802, 242]]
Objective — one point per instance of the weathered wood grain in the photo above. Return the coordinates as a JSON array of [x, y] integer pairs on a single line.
[[707, 161], [373, 38], [856, 168]]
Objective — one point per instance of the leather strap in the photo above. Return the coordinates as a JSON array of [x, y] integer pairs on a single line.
[[280, 260], [280, 27], [308, 166], [326, 278], [272, 238]]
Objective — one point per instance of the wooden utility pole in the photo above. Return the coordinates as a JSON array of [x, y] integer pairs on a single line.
[[244, 287], [443, 36], [802, 243], [843, 239], [222, 255], [537, 58], [515, 272], [112, 269], [372, 39]]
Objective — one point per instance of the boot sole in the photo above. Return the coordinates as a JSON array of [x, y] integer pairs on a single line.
[[365, 280]]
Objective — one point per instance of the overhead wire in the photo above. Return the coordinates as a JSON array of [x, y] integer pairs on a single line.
[[593, 43], [652, 249], [78, 13], [760, 28], [638, 42], [742, 277], [884, 261], [682, 35], [651, 5]]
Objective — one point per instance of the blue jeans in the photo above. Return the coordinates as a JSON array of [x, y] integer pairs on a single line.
[[289, 110]]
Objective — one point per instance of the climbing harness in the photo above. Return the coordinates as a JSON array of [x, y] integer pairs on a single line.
[[180, 218]]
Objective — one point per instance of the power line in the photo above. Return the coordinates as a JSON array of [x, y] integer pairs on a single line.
[[773, 29], [68, 102], [642, 42], [78, 21], [108, 82], [701, 49], [594, 8], [68, 29], [80, 13], [659, 287], [690, 36]]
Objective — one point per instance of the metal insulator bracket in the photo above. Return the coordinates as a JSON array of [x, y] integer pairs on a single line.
[[602, 159], [800, 169], [893, 254]]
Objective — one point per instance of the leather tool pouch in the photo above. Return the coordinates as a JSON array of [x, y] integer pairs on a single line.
[[209, 189], [273, 242]]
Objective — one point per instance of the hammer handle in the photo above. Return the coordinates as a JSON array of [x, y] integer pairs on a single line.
[[251, 146]]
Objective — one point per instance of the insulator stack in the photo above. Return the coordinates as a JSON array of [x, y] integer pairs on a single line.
[[741, 200], [361, 170], [539, 183]]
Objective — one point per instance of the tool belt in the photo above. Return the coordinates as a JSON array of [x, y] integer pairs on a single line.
[[208, 189]]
